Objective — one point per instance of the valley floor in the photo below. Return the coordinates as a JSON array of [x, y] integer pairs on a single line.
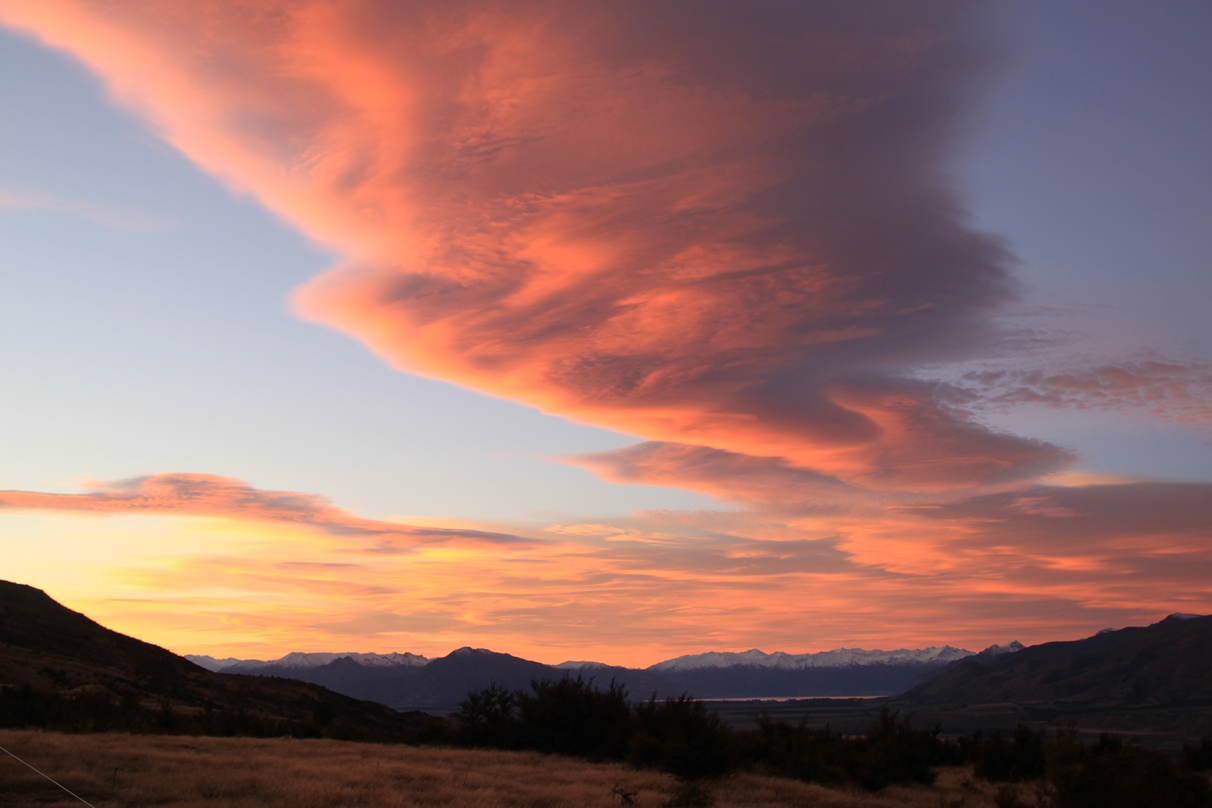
[[179, 772]]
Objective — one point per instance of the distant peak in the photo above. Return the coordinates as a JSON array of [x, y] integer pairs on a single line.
[[1012, 647], [838, 658], [302, 660], [210, 663], [573, 665], [1179, 617]]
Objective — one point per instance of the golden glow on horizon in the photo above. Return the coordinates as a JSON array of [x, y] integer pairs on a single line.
[[632, 594]]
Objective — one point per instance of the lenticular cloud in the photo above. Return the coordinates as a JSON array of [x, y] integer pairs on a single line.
[[710, 224]]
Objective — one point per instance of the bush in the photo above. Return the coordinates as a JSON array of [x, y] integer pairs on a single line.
[[1198, 757], [818, 756], [572, 717], [1000, 760], [680, 736], [1113, 774], [895, 752], [488, 717]]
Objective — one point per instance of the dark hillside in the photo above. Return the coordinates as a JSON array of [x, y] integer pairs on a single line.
[[438, 686], [1157, 677], [60, 669]]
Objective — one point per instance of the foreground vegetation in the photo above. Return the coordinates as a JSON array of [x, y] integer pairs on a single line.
[[307, 712], [680, 736], [116, 770], [677, 750]]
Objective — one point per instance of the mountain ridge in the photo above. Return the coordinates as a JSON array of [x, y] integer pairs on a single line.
[[442, 683], [1151, 680], [838, 657], [59, 668]]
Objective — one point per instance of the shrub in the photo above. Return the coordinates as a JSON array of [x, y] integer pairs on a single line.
[[573, 717], [1000, 760], [680, 736], [488, 717], [1113, 774], [818, 756], [1198, 757], [895, 752]]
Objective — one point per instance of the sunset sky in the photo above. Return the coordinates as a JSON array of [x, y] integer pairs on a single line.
[[609, 331]]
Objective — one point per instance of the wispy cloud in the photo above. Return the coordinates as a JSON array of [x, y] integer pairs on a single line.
[[116, 218], [1178, 392], [1032, 563], [212, 495]]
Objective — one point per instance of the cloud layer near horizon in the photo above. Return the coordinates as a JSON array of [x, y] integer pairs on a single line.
[[720, 225], [290, 571]]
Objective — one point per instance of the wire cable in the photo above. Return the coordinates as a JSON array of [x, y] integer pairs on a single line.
[[48, 777]]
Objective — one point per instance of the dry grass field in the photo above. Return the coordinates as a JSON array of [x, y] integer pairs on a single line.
[[175, 771]]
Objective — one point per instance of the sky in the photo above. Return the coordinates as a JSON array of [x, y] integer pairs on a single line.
[[610, 332]]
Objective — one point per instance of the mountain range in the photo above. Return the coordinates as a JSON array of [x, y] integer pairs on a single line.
[[59, 669], [410, 681], [298, 660]]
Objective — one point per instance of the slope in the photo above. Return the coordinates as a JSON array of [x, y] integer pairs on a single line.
[[1134, 679], [59, 668]]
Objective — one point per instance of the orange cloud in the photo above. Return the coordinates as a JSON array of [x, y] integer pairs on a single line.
[[719, 225], [728, 476], [223, 497], [1128, 520], [925, 444], [1038, 563]]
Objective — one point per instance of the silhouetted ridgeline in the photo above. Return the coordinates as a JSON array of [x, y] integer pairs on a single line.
[[60, 670], [440, 684], [1149, 681], [1154, 680]]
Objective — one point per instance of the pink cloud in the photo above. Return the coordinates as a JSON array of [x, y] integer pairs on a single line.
[[721, 226], [1178, 392], [1143, 518], [223, 497], [926, 443], [725, 475]]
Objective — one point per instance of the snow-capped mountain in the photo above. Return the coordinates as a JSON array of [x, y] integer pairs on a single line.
[[1012, 647], [838, 658], [210, 663], [299, 660], [410, 681], [572, 665]]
